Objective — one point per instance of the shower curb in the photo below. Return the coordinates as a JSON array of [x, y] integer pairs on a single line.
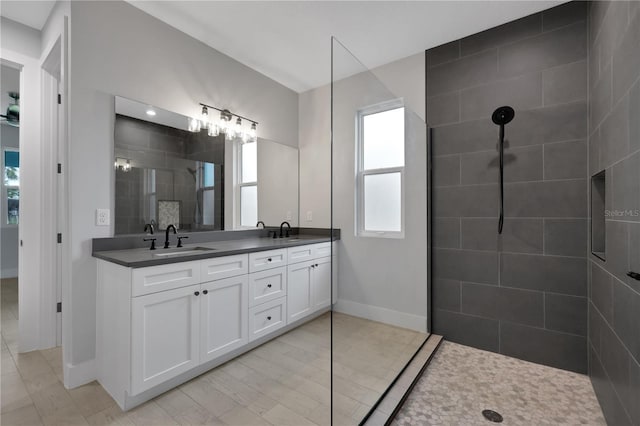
[[386, 408]]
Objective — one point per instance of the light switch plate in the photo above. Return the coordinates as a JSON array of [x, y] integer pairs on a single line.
[[103, 217], [289, 215], [309, 216]]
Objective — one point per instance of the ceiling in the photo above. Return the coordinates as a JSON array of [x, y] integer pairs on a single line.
[[31, 13], [289, 41]]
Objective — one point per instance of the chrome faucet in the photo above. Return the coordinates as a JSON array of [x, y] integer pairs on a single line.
[[166, 241], [288, 230]]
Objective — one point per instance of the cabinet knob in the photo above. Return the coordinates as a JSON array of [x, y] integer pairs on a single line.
[[316, 265], [268, 318], [269, 285], [205, 291], [197, 293], [269, 260]]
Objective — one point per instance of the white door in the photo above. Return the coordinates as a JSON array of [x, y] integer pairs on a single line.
[[321, 284], [165, 336], [224, 311], [299, 296]]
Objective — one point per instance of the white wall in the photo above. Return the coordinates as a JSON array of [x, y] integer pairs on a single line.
[[277, 183], [9, 138], [379, 278], [21, 45], [117, 49]]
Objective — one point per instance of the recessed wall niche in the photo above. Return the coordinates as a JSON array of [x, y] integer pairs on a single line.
[[598, 214]]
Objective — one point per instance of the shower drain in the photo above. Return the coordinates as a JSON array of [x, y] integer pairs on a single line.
[[492, 416]]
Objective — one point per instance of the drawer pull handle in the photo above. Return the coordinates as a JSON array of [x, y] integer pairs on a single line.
[[269, 260], [316, 265], [268, 318], [197, 293], [205, 291], [268, 285]]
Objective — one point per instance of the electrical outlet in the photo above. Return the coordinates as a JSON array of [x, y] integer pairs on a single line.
[[309, 216], [102, 217], [289, 215]]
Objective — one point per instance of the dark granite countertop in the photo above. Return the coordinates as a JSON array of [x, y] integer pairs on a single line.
[[142, 257]]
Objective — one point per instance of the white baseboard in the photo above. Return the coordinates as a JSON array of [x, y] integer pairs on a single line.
[[387, 316], [9, 273], [79, 374]]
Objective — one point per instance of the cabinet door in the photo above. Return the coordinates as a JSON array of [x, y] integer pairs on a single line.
[[165, 336], [321, 284], [299, 295], [224, 310]]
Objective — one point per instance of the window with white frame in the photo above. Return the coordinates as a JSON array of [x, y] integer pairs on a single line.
[[11, 185], [247, 194], [380, 170]]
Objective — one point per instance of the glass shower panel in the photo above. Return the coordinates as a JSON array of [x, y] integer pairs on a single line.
[[379, 204]]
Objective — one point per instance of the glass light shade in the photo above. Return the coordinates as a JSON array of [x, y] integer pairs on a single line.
[[194, 125]]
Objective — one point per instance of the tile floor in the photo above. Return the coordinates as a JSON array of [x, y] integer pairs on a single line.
[[283, 382], [461, 381]]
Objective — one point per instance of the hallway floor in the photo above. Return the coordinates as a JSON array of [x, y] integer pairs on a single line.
[[461, 382]]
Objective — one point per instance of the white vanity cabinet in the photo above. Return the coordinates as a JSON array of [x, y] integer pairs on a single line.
[[159, 326]]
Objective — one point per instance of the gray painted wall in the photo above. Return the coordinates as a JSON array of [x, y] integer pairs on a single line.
[[116, 49], [523, 293], [614, 146]]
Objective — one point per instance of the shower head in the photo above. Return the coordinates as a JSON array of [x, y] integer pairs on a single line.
[[503, 115]]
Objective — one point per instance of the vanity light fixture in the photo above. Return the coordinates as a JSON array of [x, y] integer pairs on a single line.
[[123, 164], [223, 124]]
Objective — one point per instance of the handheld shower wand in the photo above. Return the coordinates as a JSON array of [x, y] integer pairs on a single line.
[[502, 116]]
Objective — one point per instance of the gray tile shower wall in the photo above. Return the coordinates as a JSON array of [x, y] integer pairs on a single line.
[[614, 146], [523, 293]]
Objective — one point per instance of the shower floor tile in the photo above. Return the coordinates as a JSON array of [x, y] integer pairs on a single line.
[[461, 382]]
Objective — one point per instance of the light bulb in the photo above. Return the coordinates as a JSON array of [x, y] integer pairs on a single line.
[[253, 133], [151, 112], [214, 129], [194, 125], [238, 128]]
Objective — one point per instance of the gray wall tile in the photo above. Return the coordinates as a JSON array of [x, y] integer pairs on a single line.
[[596, 322], [565, 160], [443, 109], [626, 305], [555, 123], [546, 347], [470, 136], [565, 275], [464, 265], [518, 235], [625, 198], [563, 15], [443, 53], [466, 72], [614, 131], [520, 165], [626, 60], [446, 294], [498, 36], [634, 253], [565, 237], [466, 201], [565, 45], [546, 199], [468, 330], [523, 92], [612, 408], [600, 100], [510, 304], [602, 291], [565, 313], [446, 232], [634, 113], [565, 83], [617, 249], [615, 359], [446, 171]]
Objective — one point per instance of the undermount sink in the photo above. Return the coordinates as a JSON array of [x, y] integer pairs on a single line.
[[183, 252]]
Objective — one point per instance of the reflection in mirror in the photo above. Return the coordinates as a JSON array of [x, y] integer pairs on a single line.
[[169, 171]]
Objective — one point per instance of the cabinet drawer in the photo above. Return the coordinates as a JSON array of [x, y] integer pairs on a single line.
[[164, 277], [267, 317], [262, 260], [321, 250], [267, 285], [300, 253], [218, 268]]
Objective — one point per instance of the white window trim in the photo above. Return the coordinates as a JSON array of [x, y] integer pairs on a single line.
[[360, 173], [239, 185], [5, 193]]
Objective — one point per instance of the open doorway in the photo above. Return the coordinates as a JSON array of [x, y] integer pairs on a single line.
[[10, 204]]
